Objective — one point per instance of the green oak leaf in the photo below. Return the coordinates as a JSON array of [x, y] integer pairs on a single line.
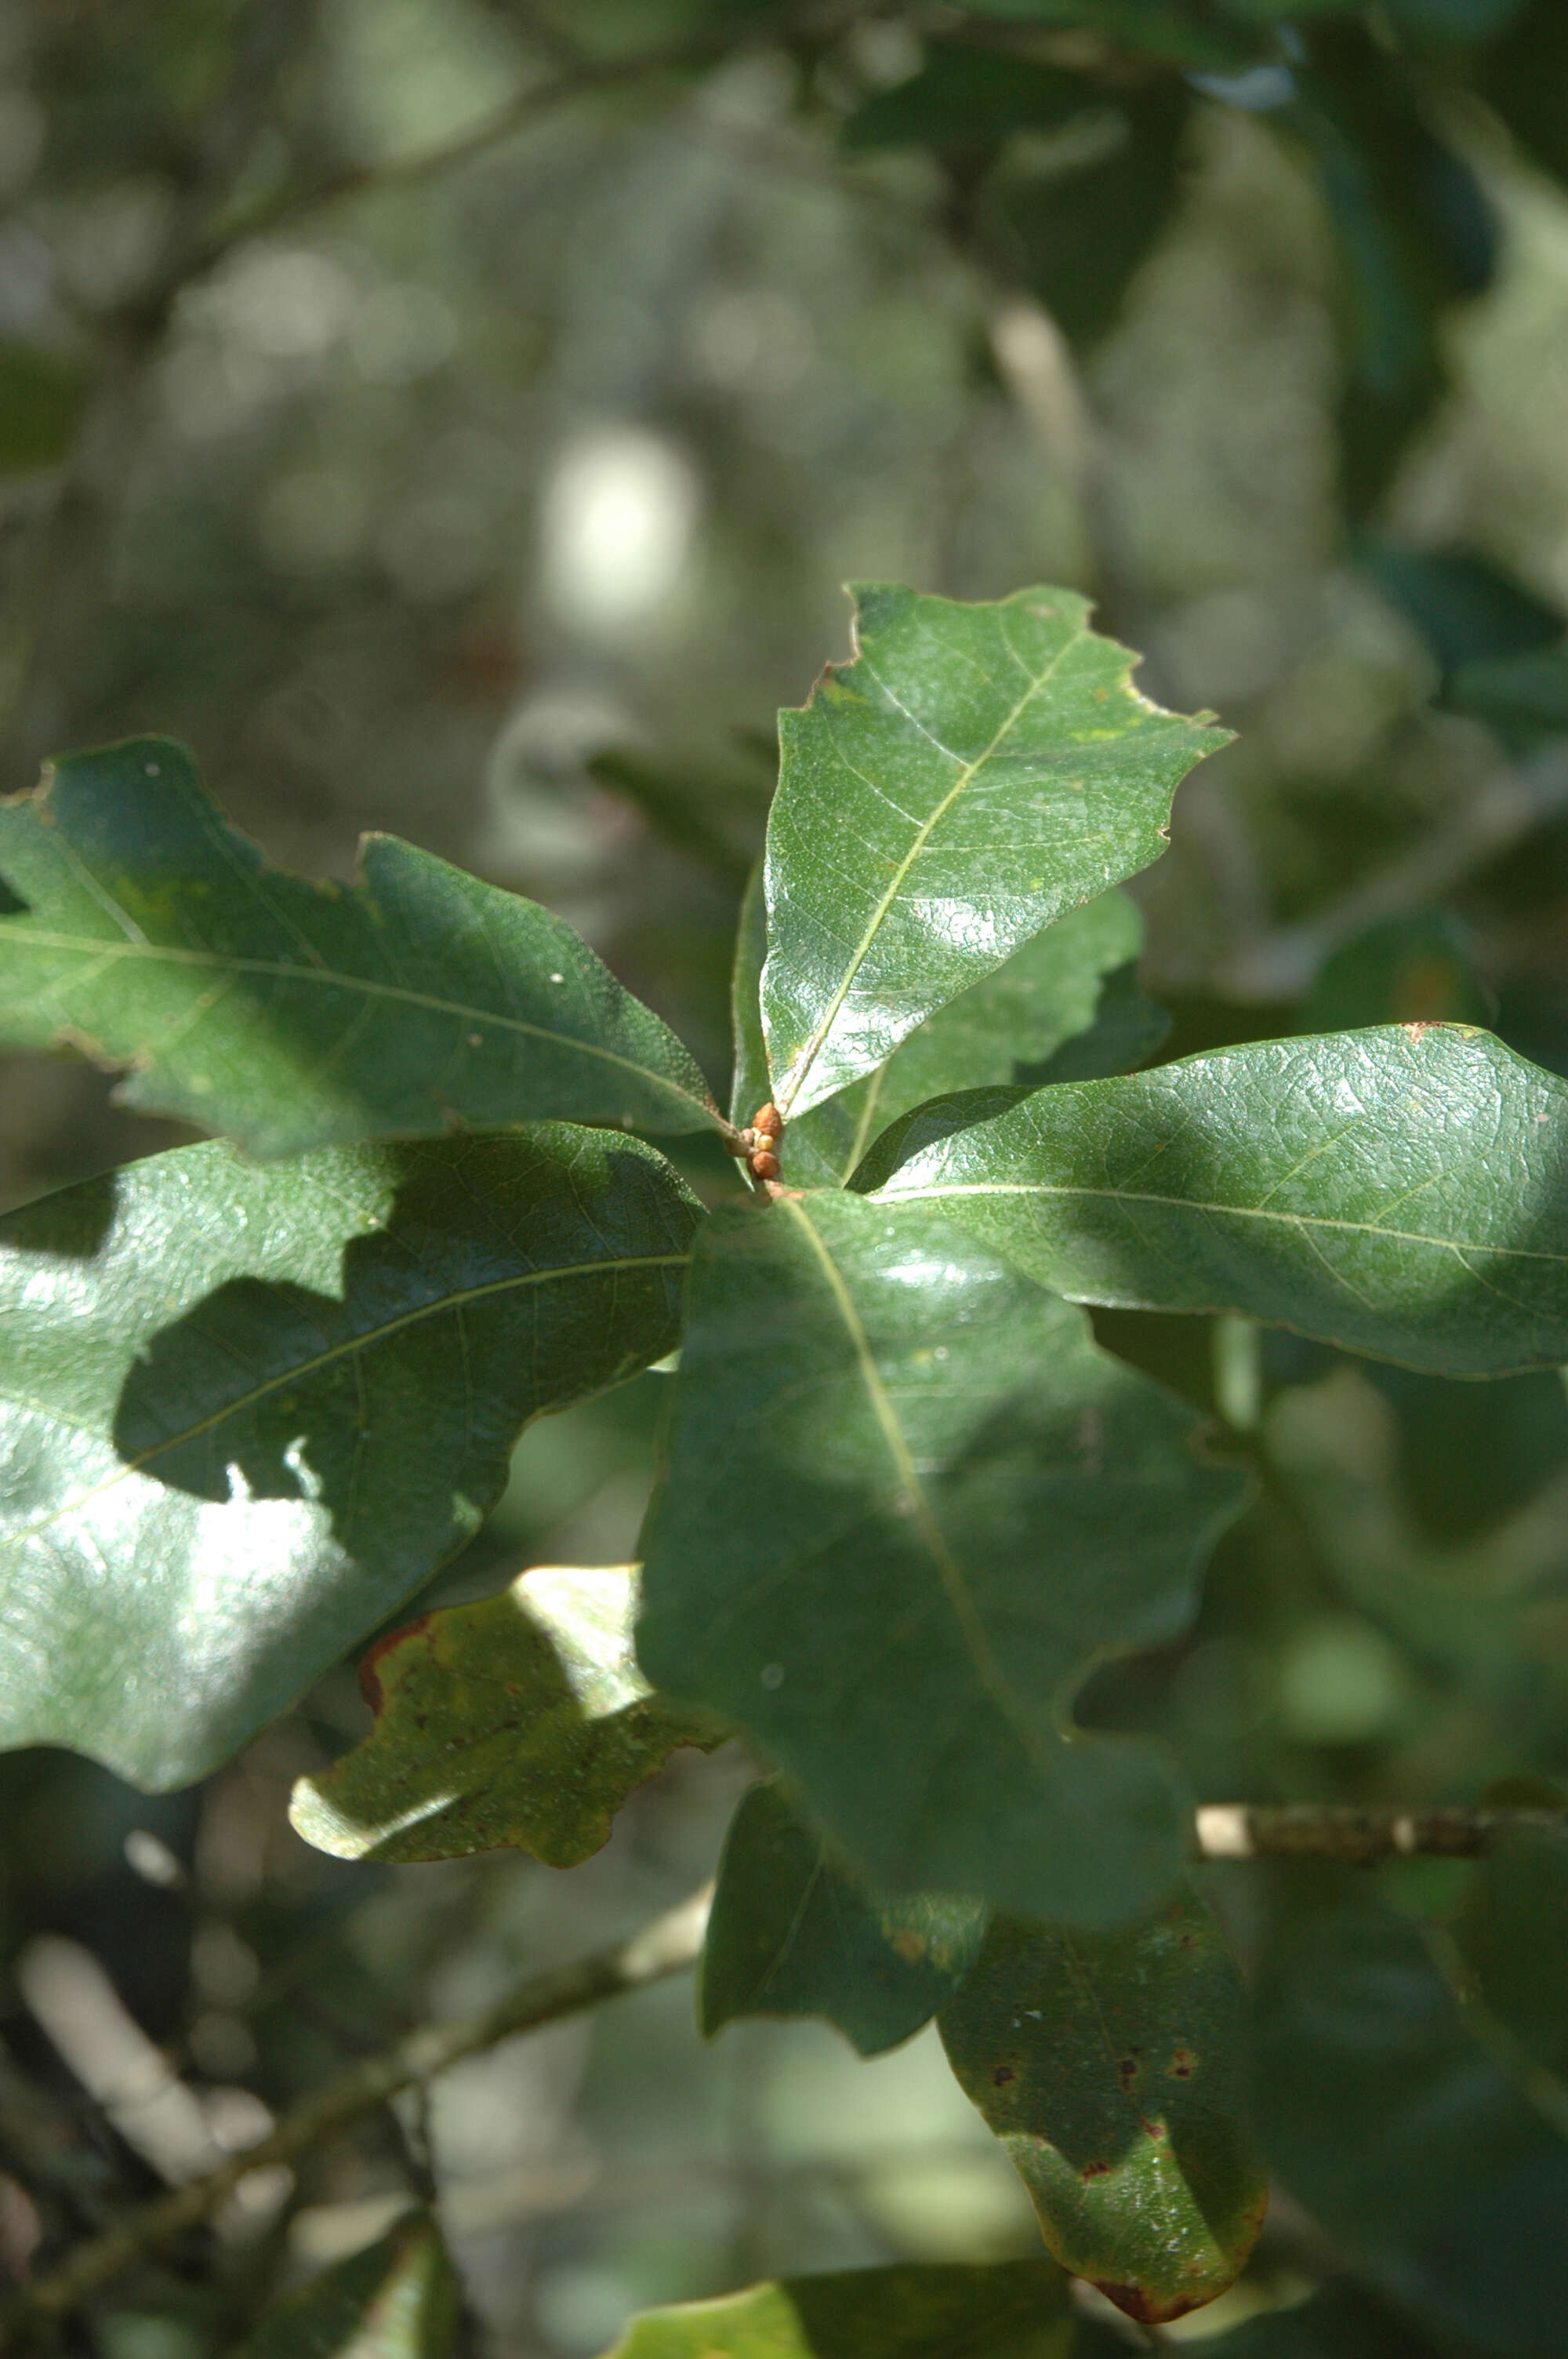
[[966, 97], [1340, 2321], [288, 1392], [1013, 2309], [1408, 2135], [1398, 1192], [520, 1721], [972, 774], [749, 1086], [908, 1502], [1161, 30], [1111, 2066], [398, 2299], [797, 1931], [1512, 1937], [292, 1014], [1006, 1029]]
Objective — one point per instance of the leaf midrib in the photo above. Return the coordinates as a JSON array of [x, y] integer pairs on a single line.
[[950, 1573], [1232, 1212], [300, 1371], [329, 978], [796, 1079]]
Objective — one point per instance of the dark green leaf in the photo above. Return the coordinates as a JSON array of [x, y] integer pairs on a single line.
[[522, 1720], [399, 2299], [1451, 20], [1109, 2065], [1170, 30], [1396, 1192], [1386, 2115], [1341, 2321], [1512, 1935], [751, 1085], [290, 1014], [1465, 609], [1415, 231], [41, 398], [1006, 1028], [975, 773], [1075, 234], [1412, 969], [715, 821], [907, 1503], [966, 97], [1128, 1030], [1015, 2310], [289, 1392], [796, 1931], [1523, 76], [1524, 697]]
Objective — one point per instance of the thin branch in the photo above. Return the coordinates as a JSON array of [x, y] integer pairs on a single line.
[[584, 79], [1319, 1831], [667, 1946], [1330, 1830]]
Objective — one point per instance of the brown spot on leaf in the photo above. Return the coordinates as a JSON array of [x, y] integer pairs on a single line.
[[1094, 2170], [909, 1945], [1182, 2064], [370, 1679], [1003, 2073], [1151, 2309]]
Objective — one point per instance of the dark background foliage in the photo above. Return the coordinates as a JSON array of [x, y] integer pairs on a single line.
[[431, 453]]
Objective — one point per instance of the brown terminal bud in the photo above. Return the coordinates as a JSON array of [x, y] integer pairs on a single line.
[[763, 1165], [768, 1121]]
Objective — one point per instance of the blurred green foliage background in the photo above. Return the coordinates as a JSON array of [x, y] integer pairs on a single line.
[[447, 420]]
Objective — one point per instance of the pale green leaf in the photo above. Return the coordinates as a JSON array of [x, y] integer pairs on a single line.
[[907, 1503], [245, 1409], [291, 1013], [974, 774], [797, 1931], [520, 1721], [1015, 2310], [398, 2299], [1109, 2065], [1396, 1192]]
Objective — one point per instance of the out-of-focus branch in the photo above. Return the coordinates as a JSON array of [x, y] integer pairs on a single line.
[[666, 1946], [65, 582], [580, 78], [1327, 1830]]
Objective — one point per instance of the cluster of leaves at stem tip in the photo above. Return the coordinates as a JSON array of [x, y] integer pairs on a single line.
[[253, 1392]]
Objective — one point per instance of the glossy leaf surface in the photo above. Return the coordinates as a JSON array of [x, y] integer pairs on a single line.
[[907, 1502], [795, 1931], [1430, 2164], [1015, 2309], [1003, 1029], [1396, 1192], [1111, 2067], [290, 1391], [399, 2299], [292, 1014], [975, 773], [520, 1721]]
